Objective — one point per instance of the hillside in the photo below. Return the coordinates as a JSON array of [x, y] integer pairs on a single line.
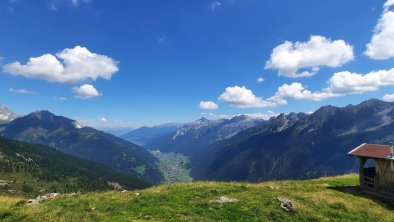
[[34, 169], [70, 137], [325, 199]]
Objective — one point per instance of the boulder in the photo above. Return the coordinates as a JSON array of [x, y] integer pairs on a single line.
[[286, 204]]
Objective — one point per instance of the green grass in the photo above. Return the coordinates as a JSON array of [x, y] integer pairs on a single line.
[[315, 200]]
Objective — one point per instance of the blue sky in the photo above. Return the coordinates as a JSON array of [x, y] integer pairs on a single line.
[[150, 62]]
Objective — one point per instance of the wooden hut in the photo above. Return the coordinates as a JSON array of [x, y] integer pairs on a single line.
[[376, 168]]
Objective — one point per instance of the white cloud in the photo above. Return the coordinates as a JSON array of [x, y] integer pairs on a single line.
[[86, 91], [347, 82], [76, 2], [381, 45], [388, 98], [264, 116], [340, 84], [61, 98], [388, 4], [241, 97], [103, 119], [214, 5], [319, 51], [68, 66], [20, 91], [260, 79], [221, 116], [208, 105], [298, 92]]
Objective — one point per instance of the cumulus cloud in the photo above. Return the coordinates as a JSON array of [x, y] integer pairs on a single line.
[[298, 92], [340, 84], [347, 82], [288, 58], [388, 98], [381, 45], [103, 119], [214, 5], [388, 4], [208, 105], [260, 79], [20, 91], [68, 66], [241, 97], [86, 91]]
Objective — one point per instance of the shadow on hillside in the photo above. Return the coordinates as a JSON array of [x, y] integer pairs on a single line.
[[386, 202]]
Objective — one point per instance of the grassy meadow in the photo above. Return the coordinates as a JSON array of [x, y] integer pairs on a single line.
[[325, 199]]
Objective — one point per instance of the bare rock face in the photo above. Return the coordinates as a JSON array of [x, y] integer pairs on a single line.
[[41, 198], [6, 114], [224, 200], [286, 204]]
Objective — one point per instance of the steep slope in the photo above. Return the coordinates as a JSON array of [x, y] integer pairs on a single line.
[[68, 136], [146, 134], [195, 136], [311, 147], [32, 168], [325, 199], [201, 160]]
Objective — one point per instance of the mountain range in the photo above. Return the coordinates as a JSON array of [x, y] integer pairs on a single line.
[[243, 148], [70, 137], [307, 146], [195, 136], [288, 146]]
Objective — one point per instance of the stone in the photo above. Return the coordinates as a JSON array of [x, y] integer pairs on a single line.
[[224, 199], [41, 198], [286, 204]]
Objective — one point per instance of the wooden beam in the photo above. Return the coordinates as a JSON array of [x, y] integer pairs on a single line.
[[361, 171]]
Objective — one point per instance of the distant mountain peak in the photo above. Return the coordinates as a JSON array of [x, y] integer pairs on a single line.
[[41, 114], [203, 119], [373, 102], [241, 117], [6, 114]]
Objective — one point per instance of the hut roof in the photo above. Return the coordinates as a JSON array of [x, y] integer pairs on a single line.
[[372, 151]]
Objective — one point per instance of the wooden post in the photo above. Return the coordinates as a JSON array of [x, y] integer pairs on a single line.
[[362, 162]]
